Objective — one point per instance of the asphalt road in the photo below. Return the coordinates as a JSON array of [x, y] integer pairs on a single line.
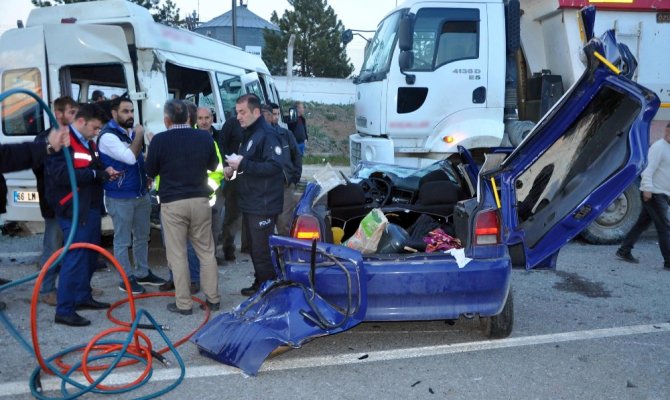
[[595, 328]]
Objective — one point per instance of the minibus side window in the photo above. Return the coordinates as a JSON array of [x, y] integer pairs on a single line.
[[230, 88], [21, 114]]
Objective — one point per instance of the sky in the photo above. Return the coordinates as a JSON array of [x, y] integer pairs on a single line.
[[354, 14]]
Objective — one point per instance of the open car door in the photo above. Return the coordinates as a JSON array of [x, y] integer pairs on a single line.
[[322, 296], [586, 151]]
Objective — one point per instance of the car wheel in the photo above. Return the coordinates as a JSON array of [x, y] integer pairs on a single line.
[[500, 326], [617, 220]]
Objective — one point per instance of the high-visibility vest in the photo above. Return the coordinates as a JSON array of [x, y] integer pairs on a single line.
[[214, 178]]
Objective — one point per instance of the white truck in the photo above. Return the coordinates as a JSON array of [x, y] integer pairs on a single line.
[[114, 46], [475, 73]]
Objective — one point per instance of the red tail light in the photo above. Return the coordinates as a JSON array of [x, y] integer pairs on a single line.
[[306, 227], [487, 228]]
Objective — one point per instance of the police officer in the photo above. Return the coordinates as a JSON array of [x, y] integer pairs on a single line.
[[77, 267], [291, 163], [260, 185]]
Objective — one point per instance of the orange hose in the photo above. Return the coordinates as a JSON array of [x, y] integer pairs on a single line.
[[136, 348]]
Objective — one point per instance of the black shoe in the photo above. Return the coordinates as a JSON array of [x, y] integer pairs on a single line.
[[251, 289], [229, 257], [92, 305], [72, 320], [4, 281], [220, 260], [211, 306], [150, 280], [135, 287], [627, 256], [195, 287], [2, 305], [172, 307], [167, 286]]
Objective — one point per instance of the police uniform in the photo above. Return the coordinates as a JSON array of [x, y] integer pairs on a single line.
[[292, 165], [260, 191], [77, 267]]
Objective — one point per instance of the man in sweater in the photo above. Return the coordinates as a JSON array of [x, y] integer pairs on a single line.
[[260, 186], [655, 188], [181, 156], [127, 198]]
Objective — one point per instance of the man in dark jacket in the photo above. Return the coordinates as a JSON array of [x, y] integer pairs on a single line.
[[74, 286], [19, 156], [231, 135], [181, 156], [65, 109], [299, 127], [292, 164], [260, 185]]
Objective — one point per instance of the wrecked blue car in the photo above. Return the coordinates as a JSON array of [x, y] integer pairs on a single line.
[[518, 209]]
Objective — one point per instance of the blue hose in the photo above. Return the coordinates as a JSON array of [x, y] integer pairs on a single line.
[[35, 384]]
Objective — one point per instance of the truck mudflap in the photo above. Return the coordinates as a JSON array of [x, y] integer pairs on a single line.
[[286, 312]]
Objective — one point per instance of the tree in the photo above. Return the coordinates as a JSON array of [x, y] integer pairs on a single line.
[[166, 13], [317, 50]]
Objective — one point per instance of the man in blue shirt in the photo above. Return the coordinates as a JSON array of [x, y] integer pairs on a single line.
[[127, 198]]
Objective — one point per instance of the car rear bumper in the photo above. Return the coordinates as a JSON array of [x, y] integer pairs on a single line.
[[421, 288]]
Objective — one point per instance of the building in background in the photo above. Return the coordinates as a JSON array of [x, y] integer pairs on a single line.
[[249, 29]]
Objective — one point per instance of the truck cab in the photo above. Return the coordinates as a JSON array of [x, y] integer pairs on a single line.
[[478, 73], [450, 93]]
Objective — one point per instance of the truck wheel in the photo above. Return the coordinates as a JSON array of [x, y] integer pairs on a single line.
[[500, 326], [617, 220]]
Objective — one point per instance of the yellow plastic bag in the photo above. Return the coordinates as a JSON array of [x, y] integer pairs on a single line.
[[368, 233]]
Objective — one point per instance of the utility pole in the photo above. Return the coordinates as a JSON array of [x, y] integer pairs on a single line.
[[234, 23]]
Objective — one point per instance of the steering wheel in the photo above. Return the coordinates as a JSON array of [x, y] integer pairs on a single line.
[[377, 191]]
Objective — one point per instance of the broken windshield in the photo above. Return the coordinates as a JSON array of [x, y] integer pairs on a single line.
[[378, 56]]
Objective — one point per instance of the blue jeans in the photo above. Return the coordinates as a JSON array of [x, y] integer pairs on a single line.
[[74, 286], [656, 211], [193, 262], [301, 148], [131, 219], [53, 240]]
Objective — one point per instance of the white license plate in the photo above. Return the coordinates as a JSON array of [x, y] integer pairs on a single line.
[[26, 197]]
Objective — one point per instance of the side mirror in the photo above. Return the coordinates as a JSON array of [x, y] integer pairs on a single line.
[[346, 37], [406, 32], [406, 60]]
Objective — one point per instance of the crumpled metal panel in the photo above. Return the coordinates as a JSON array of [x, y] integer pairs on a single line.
[[281, 313]]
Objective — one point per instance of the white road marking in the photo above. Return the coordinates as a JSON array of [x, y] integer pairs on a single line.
[[49, 384]]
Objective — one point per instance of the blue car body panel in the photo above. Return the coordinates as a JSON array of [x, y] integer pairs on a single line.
[[286, 313], [578, 159]]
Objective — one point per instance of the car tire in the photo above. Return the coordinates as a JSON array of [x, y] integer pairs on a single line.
[[617, 220], [501, 325]]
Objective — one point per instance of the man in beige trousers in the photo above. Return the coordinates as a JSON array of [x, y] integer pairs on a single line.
[[182, 156]]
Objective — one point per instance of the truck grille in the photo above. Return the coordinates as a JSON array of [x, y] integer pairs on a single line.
[[354, 153]]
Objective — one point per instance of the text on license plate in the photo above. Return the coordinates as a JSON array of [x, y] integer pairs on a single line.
[[26, 197]]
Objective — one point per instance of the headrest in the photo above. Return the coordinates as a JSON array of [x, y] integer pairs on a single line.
[[346, 195]]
